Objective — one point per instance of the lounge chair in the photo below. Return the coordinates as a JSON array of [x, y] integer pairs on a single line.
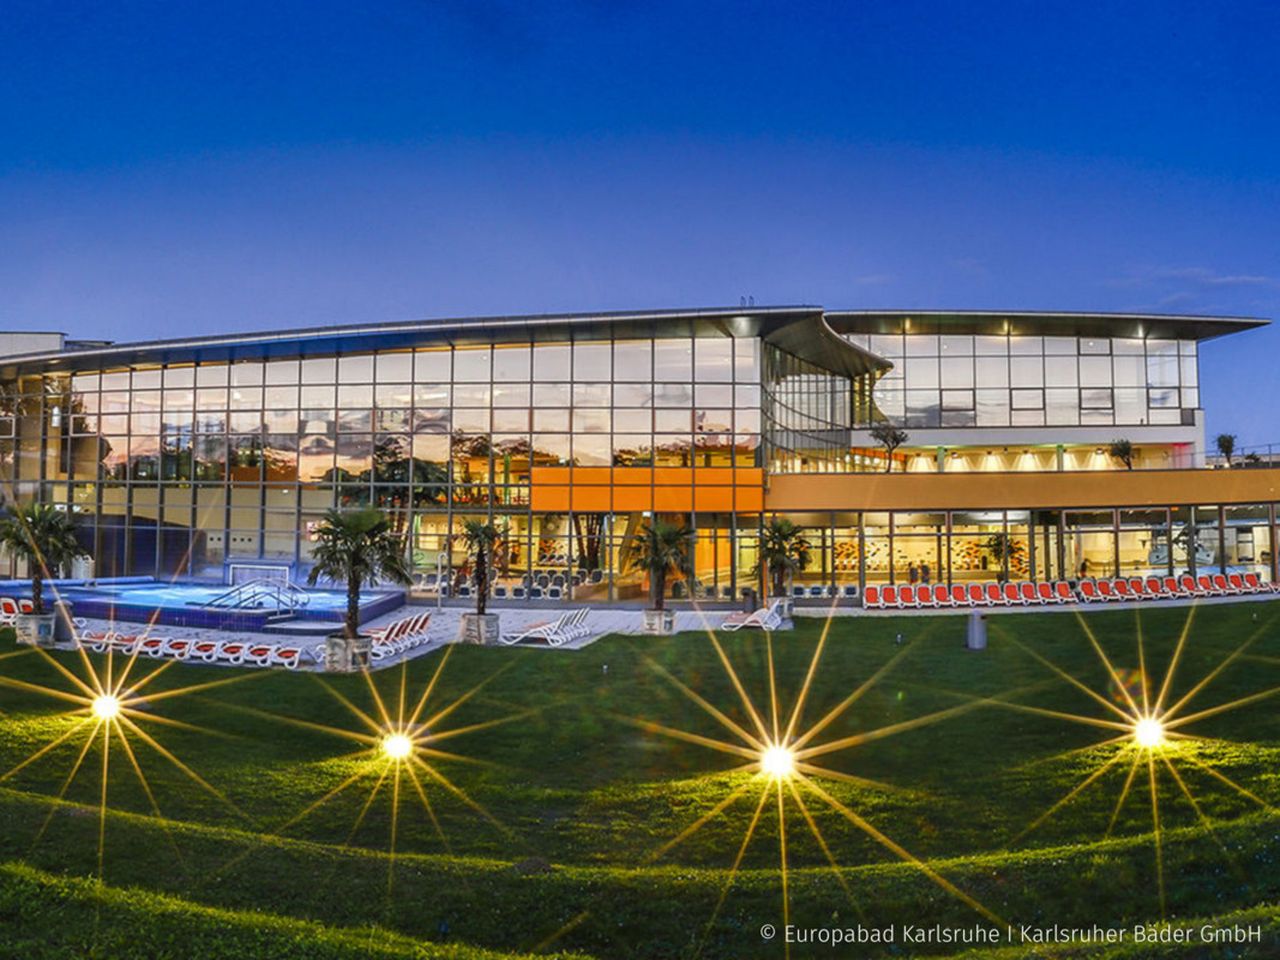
[[942, 596], [871, 596], [9, 610], [1089, 592], [995, 596], [1155, 588], [290, 656], [554, 632], [766, 618], [1062, 590], [978, 596]]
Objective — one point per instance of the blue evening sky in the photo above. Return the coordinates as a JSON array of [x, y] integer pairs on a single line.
[[171, 169]]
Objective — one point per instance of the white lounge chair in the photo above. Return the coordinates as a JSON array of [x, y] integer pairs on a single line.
[[766, 618], [555, 632]]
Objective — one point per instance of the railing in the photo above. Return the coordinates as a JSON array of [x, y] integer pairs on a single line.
[[262, 593]]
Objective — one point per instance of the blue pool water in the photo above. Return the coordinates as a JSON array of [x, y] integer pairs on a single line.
[[184, 604]]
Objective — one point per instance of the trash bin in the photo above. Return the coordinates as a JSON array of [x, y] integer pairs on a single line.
[[976, 632]]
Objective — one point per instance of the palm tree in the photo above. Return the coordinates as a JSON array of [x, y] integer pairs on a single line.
[[358, 547], [662, 547], [45, 537], [1123, 451], [480, 539], [1226, 446], [889, 437], [784, 551]]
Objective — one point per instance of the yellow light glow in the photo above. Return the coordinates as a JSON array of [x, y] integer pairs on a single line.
[[106, 707], [397, 746], [778, 762], [1148, 732]]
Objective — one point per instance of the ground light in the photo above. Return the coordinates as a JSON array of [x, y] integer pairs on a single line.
[[109, 709], [397, 746], [789, 750], [1148, 732], [778, 762], [1142, 728]]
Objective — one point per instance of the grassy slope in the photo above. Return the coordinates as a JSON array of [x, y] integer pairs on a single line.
[[573, 783]]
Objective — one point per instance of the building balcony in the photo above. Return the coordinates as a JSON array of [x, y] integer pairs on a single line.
[[1020, 490]]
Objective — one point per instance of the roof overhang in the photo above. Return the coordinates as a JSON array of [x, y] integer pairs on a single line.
[[358, 338], [1051, 324]]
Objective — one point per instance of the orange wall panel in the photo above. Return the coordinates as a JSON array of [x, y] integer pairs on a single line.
[[713, 499], [672, 499], [549, 499], [592, 499], [632, 499]]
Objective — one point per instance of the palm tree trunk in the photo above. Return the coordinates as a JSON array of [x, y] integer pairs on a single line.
[[37, 589], [657, 589], [353, 608], [482, 580]]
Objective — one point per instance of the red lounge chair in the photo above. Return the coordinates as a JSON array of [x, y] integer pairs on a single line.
[[1236, 583], [1204, 585], [289, 657], [995, 596], [1187, 585], [1137, 588], [977, 596], [1012, 595], [1173, 587], [258, 654], [1252, 582], [1044, 590], [889, 596], [152, 646], [178, 649], [1220, 584], [8, 609], [206, 650], [924, 596], [26, 606], [232, 651], [1105, 589], [1027, 592], [1064, 592], [1121, 589], [871, 596], [907, 596], [959, 595], [942, 596], [1155, 588], [1089, 591]]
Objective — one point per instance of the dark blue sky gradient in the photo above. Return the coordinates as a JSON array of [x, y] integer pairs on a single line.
[[172, 169]]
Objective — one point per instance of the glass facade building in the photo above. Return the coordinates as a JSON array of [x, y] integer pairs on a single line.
[[183, 458]]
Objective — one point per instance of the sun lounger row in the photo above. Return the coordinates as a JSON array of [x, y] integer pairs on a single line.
[[235, 652], [11, 607], [397, 637], [939, 595], [557, 632], [1165, 587], [766, 618]]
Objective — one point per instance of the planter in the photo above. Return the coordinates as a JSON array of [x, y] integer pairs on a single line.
[[34, 629], [479, 628], [659, 622], [345, 655]]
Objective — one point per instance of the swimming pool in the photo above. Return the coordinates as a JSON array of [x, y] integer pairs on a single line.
[[185, 604]]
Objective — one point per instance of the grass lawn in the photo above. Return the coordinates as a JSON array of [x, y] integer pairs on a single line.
[[545, 815]]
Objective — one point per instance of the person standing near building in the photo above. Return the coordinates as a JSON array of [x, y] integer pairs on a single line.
[[913, 572]]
